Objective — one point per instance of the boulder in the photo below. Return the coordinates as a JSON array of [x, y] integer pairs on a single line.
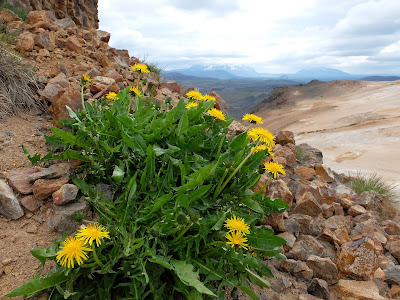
[[307, 205], [325, 173], [323, 268], [70, 96], [359, 258], [8, 16], [46, 40], [319, 288], [284, 137], [25, 42], [73, 44], [65, 194], [9, 205], [103, 36], [39, 16], [304, 247], [356, 210], [43, 188], [19, 179], [312, 156], [173, 86], [279, 189], [298, 268]]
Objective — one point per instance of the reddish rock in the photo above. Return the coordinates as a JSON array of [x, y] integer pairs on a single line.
[[39, 16], [43, 188], [325, 173], [359, 258], [112, 73], [275, 221], [307, 205], [30, 203], [71, 97], [338, 236], [298, 268], [67, 193], [360, 290], [103, 36], [364, 201], [62, 218], [304, 247], [25, 42], [329, 195], [19, 179], [327, 210], [305, 173], [46, 40], [73, 44], [7, 16], [96, 87], [286, 152], [323, 268], [173, 86], [356, 210], [345, 201], [279, 189], [394, 248], [220, 103], [339, 222], [338, 209], [391, 227], [299, 223], [284, 137]]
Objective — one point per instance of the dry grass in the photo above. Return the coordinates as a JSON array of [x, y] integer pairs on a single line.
[[17, 84]]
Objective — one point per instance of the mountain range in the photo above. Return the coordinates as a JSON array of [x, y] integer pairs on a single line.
[[232, 71]]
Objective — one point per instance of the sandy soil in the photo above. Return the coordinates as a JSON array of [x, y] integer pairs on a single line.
[[356, 124]]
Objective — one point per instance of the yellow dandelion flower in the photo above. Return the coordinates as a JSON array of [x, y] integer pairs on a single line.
[[236, 238], [258, 148], [262, 135], [191, 104], [140, 68], [252, 119], [270, 151], [216, 113], [72, 249], [208, 98], [86, 78], [237, 224], [112, 96], [274, 169], [93, 232], [193, 95], [135, 91]]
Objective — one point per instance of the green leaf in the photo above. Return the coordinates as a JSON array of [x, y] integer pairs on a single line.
[[72, 114], [183, 125], [34, 159], [72, 154], [67, 137], [201, 191], [274, 206], [139, 143], [82, 185], [263, 239], [118, 174], [220, 222], [198, 177], [42, 254], [150, 163], [37, 284], [189, 277], [159, 203], [132, 186], [250, 203], [239, 142], [257, 279]]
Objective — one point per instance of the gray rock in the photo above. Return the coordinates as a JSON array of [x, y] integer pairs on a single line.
[[9, 204], [67, 193], [319, 288], [62, 218], [54, 171], [323, 268], [392, 275]]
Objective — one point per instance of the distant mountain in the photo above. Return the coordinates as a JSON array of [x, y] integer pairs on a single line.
[[380, 78], [322, 73]]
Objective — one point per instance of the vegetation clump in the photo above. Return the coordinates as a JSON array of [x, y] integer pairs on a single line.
[[18, 10], [363, 183], [183, 221]]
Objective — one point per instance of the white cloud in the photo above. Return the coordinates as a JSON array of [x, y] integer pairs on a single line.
[[278, 36]]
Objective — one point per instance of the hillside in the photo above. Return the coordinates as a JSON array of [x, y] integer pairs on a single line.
[[355, 123]]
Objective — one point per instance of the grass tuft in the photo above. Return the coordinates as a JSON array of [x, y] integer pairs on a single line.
[[362, 183], [19, 11], [301, 155]]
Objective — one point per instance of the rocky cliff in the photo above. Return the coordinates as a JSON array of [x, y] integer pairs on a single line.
[[82, 12]]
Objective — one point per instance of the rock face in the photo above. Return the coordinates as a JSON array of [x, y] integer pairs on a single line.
[[9, 205], [83, 13]]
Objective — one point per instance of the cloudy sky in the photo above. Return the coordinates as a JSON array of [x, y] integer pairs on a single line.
[[280, 36]]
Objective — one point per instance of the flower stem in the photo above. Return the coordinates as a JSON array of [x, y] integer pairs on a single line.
[[96, 259], [182, 233], [83, 99]]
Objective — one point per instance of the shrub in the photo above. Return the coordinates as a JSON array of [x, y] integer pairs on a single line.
[[362, 183], [183, 221]]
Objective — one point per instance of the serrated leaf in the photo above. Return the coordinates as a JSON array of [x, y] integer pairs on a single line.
[[189, 277], [257, 279], [263, 239], [220, 222], [37, 284], [250, 203], [72, 154], [160, 202], [42, 254], [67, 137]]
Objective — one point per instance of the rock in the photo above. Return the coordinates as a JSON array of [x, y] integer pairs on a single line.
[[299, 223], [54, 171], [236, 128], [297, 268], [284, 137], [43, 188], [392, 275], [32, 228], [8, 269], [394, 291], [328, 196], [9, 205], [43, 53], [62, 218], [220, 103], [73, 44], [65, 194], [103, 80], [19, 179], [31, 203], [1, 269], [65, 23], [93, 73], [362, 290], [25, 42], [289, 238], [346, 201], [103, 36], [394, 248], [312, 156], [305, 173], [359, 259], [362, 200], [46, 40], [323, 268], [325, 173], [356, 210], [327, 210], [285, 152], [173, 86], [305, 246], [71, 97], [387, 261], [39, 16], [112, 73], [281, 284], [391, 227], [307, 297], [275, 221], [8, 16], [319, 288], [279, 189], [307, 205]]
